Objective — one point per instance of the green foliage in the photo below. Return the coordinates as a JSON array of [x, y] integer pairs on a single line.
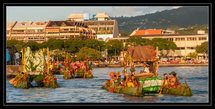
[[192, 54], [58, 53], [53, 44], [123, 33], [32, 66], [163, 44], [203, 48], [114, 45], [193, 29], [137, 41], [180, 90], [95, 44], [12, 43], [33, 45], [181, 17], [92, 54]]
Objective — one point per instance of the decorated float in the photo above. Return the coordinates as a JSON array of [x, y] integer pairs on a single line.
[[35, 68], [74, 70], [147, 79]]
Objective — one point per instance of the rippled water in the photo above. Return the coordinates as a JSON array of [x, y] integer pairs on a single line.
[[88, 90]]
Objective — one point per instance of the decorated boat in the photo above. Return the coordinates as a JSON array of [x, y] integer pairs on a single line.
[[36, 69], [73, 70], [147, 79]]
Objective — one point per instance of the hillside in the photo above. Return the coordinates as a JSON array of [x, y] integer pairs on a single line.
[[181, 17]]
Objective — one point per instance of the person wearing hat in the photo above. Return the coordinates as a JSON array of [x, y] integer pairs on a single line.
[[174, 81], [117, 77]]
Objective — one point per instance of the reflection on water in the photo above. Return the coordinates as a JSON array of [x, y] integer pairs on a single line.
[[88, 90]]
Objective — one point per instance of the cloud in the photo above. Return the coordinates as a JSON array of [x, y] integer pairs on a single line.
[[175, 7]]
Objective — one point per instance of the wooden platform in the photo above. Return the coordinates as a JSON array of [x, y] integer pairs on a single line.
[[144, 75]]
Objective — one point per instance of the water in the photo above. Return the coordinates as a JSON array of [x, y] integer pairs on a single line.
[[88, 90]]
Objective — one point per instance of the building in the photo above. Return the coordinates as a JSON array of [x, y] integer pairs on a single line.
[[101, 24], [40, 31], [69, 29], [101, 16], [149, 32], [138, 32], [186, 43], [75, 17]]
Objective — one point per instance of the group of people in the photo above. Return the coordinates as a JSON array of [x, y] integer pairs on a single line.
[[129, 81], [173, 81]]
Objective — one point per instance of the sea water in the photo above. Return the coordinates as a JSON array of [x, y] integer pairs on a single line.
[[89, 91]]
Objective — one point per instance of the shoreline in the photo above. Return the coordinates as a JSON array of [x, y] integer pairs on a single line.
[[12, 69], [160, 65]]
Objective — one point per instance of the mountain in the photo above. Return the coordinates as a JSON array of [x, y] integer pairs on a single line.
[[181, 17]]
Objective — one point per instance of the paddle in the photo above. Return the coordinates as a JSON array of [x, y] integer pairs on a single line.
[[11, 81], [185, 81]]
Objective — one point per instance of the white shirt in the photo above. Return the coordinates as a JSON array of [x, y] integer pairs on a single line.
[[146, 69], [17, 55]]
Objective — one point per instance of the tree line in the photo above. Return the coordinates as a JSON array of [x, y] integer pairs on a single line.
[[94, 47]]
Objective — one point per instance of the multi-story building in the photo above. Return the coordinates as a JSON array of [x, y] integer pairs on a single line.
[[40, 31], [186, 43], [104, 27]]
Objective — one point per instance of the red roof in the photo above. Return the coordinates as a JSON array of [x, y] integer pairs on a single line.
[[148, 32]]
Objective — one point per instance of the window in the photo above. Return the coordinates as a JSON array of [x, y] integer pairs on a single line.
[[182, 48], [177, 39], [182, 39], [169, 39], [191, 38], [202, 38], [191, 48]]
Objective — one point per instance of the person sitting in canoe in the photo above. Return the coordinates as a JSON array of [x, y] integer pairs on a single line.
[[133, 80], [145, 68], [174, 81], [117, 77], [164, 82]]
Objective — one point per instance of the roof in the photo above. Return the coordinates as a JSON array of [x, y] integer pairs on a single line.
[[23, 24], [101, 15], [65, 23], [10, 25], [143, 53], [37, 24], [75, 16], [150, 32]]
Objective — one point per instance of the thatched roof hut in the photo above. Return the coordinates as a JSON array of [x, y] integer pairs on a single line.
[[145, 54]]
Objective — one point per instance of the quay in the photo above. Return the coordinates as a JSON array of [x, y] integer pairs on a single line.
[[165, 65], [11, 70]]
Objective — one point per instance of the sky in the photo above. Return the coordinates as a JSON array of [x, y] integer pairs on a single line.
[[56, 13]]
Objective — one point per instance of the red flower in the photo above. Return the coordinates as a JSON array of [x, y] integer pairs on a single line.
[[50, 81], [55, 78], [20, 80], [189, 89], [185, 87]]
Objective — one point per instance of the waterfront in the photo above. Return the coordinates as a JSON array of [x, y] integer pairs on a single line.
[[88, 90]]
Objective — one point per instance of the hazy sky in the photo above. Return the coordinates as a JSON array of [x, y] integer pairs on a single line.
[[45, 13]]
